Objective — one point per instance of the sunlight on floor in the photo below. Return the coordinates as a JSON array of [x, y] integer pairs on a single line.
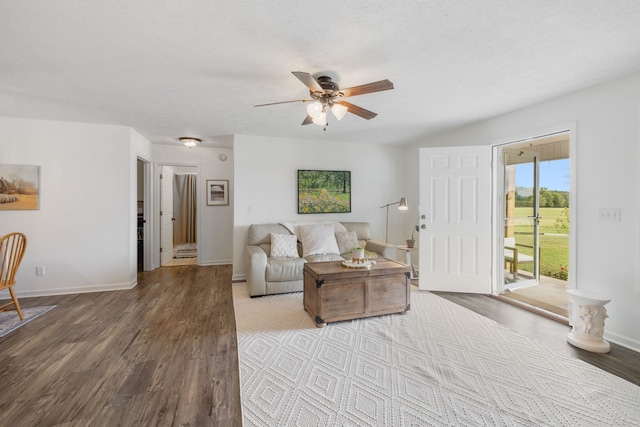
[[182, 261], [550, 295]]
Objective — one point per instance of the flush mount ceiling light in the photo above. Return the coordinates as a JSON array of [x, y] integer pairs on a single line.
[[190, 141], [327, 95]]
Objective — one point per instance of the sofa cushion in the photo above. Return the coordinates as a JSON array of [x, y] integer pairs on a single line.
[[284, 269], [294, 227], [347, 240], [284, 245], [261, 233], [318, 239], [362, 229]]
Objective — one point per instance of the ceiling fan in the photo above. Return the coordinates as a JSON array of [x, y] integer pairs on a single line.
[[327, 95]]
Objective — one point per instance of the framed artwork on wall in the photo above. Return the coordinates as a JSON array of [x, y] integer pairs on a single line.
[[19, 187], [217, 192], [324, 191]]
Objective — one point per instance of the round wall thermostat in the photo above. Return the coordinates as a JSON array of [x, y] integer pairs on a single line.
[[222, 157]]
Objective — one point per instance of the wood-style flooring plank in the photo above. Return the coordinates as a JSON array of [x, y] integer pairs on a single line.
[[620, 361], [163, 353]]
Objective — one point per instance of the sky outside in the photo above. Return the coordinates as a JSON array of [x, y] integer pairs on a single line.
[[554, 175]]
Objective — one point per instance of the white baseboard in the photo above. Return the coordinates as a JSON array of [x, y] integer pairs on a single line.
[[216, 262], [78, 290], [239, 278], [627, 342]]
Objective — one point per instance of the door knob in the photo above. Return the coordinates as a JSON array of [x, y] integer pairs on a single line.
[[424, 227]]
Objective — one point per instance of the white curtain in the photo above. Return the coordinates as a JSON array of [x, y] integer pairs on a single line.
[[184, 228]]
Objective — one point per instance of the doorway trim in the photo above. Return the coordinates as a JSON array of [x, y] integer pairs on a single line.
[[147, 241], [155, 250], [498, 183]]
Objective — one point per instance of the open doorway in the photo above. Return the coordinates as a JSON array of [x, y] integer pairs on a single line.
[[537, 228], [178, 215], [143, 170]]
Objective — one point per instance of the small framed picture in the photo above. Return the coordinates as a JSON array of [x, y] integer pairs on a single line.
[[217, 192], [19, 187]]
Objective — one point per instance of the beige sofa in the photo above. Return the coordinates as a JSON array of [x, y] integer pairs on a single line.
[[267, 274]]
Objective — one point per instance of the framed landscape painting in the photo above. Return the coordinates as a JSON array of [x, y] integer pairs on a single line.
[[324, 191], [217, 192], [19, 187]]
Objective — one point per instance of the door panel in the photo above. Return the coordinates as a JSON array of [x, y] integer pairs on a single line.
[[166, 217], [521, 223], [455, 212]]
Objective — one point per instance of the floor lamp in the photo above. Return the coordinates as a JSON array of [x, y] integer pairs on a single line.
[[402, 205]]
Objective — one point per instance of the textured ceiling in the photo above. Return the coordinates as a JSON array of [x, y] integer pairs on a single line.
[[172, 68]]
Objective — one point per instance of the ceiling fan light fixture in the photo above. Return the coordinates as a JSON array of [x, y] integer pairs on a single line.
[[339, 111], [326, 94], [321, 120], [314, 109], [190, 141]]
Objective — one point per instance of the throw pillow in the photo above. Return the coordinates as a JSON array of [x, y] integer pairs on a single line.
[[284, 245], [346, 241], [318, 239]]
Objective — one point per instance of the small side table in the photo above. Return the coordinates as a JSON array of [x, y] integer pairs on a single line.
[[413, 274], [586, 316]]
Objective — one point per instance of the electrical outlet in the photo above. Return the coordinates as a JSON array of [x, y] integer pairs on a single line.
[[40, 271]]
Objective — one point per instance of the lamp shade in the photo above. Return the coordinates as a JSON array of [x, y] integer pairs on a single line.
[[339, 111], [321, 119], [314, 109], [403, 204]]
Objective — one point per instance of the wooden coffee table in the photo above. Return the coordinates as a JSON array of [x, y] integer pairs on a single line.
[[333, 292]]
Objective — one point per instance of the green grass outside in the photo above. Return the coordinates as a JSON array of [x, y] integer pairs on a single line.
[[554, 248]]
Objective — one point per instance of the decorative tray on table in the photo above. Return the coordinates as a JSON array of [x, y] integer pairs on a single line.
[[361, 264]]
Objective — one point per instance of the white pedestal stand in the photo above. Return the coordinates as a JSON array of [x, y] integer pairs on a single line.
[[413, 274], [586, 317]]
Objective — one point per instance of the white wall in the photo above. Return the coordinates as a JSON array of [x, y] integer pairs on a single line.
[[82, 234], [266, 184], [215, 232], [607, 117]]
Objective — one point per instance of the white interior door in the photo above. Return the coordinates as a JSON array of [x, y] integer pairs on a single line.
[[166, 214], [455, 219]]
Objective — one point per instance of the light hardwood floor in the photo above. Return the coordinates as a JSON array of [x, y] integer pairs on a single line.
[[165, 353]]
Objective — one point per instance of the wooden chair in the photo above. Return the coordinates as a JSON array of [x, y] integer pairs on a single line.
[[513, 257], [12, 247]]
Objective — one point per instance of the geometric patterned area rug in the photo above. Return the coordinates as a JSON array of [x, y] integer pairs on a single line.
[[439, 365], [10, 321]]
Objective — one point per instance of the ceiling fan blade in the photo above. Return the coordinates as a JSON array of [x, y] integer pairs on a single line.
[[367, 88], [308, 81], [307, 121], [358, 111], [284, 102]]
